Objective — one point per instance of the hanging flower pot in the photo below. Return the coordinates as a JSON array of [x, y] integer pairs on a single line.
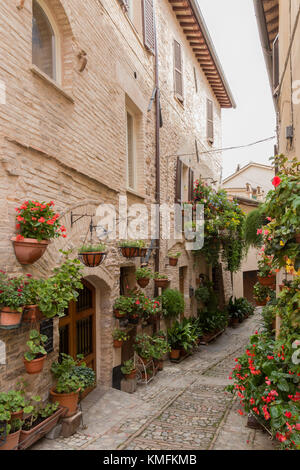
[[32, 314], [118, 343], [143, 282], [29, 250], [10, 318], [173, 261], [92, 256], [162, 283], [129, 251], [267, 281], [143, 252], [119, 314]]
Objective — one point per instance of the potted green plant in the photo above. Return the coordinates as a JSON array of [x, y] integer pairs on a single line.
[[119, 337], [160, 348], [173, 258], [262, 294], [123, 306], [12, 300], [266, 275], [14, 402], [143, 276], [128, 370], [9, 430], [181, 337], [143, 347], [35, 357], [32, 313], [161, 280], [37, 224], [56, 292], [92, 255], [72, 376], [172, 303], [39, 423]]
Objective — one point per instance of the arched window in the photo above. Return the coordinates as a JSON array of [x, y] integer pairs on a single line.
[[45, 41]]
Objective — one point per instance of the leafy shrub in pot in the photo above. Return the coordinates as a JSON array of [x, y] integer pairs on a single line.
[[172, 303], [34, 358]]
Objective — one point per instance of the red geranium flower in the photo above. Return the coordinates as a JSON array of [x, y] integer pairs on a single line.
[[276, 181]]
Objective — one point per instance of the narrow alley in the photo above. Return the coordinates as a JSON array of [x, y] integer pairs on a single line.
[[184, 408]]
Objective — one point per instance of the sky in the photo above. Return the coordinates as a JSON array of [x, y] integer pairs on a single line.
[[233, 28]]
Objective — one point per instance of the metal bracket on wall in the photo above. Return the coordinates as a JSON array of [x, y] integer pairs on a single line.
[[76, 217], [151, 248]]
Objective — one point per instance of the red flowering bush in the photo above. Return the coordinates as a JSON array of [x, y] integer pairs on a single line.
[[267, 383], [14, 291], [38, 220]]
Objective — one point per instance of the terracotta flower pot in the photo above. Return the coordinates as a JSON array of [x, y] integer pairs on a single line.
[[163, 283], [28, 438], [35, 366], [143, 282], [92, 259], [68, 400], [12, 441], [175, 354], [297, 237], [267, 281], [173, 261], [118, 314], [16, 415], [9, 317], [29, 250], [130, 376], [118, 344], [32, 314], [130, 251], [261, 303]]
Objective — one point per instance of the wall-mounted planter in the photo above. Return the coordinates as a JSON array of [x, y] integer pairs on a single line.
[[118, 344], [10, 319], [143, 282], [92, 259], [32, 314], [163, 283], [173, 261], [29, 250], [269, 281], [143, 252], [36, 366], [119, 315]]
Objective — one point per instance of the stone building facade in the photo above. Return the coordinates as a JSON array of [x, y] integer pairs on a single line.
[[64, 127]]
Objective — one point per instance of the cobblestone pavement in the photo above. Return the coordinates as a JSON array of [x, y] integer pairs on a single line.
[[184, 407]]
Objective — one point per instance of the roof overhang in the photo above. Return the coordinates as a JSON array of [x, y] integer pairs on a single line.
[[267, 14], [191, 20]]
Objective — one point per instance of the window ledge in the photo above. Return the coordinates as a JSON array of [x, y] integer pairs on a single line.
[[37, 71], [135, 193]]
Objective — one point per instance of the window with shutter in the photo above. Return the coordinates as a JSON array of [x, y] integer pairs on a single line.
[[149, 27], [210, 121], [130, 152], [191, 185], [275, 64], [178, 76], [178, 182]]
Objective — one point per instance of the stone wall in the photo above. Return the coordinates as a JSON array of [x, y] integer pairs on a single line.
[[67, 143]]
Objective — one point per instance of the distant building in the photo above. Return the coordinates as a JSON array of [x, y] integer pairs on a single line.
[[249, 186]]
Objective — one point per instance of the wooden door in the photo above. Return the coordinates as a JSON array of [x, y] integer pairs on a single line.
[[77, 328], [249, 280]]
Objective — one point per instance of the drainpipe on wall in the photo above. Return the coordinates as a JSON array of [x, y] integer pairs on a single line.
[[157, 148]]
